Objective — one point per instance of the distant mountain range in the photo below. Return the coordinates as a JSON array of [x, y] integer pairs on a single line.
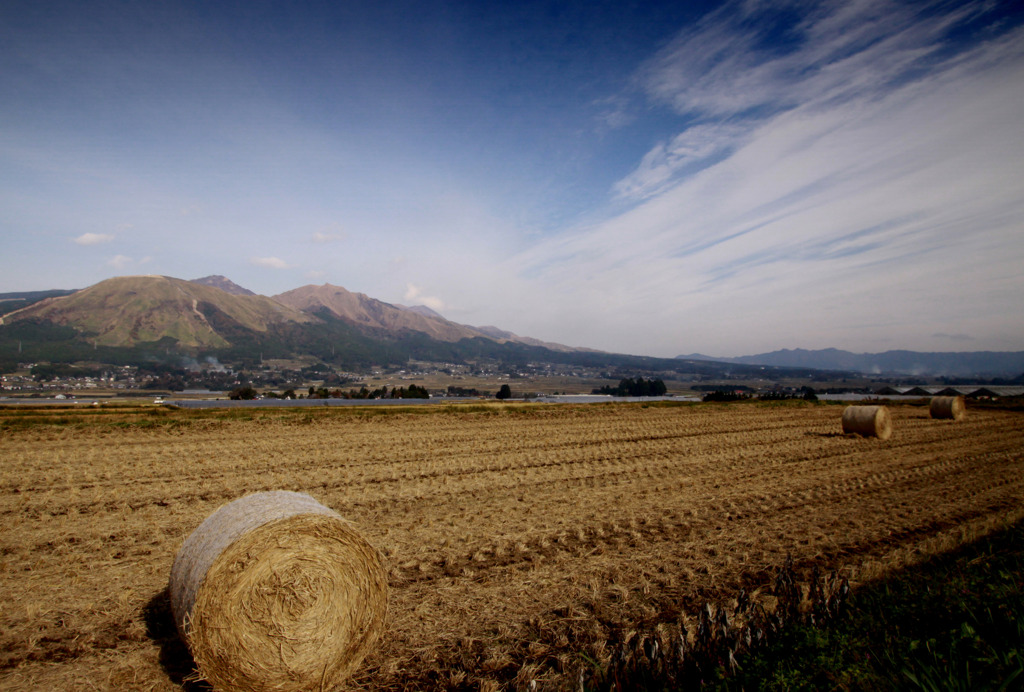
[[131, 310], [988, 364], [159, 318], [155, 317]]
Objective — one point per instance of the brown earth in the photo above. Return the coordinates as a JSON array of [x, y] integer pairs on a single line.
[[519, 539]]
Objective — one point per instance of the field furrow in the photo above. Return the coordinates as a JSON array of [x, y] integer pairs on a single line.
[[524, 535]]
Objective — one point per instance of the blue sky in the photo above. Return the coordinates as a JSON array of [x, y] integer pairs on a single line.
[[725, 178]]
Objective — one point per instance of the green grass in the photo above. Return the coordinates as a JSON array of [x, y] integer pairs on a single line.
[[955, 622]]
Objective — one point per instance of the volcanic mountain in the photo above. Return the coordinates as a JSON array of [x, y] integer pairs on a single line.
[[223, 283], [129, 310], [361, 310], [146, 319], [214, 313]]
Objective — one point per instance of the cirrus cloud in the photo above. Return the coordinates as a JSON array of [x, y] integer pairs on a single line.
[[817, 204]]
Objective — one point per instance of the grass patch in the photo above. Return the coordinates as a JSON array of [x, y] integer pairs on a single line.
[[954, 622]]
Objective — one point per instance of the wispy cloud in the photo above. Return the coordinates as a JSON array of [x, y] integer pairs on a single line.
[[834, 189], [270, 262], [688, 151], [727, 79], [841, 49], [94, 238]]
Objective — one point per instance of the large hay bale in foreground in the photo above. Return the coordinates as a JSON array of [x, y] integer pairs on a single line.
[[869, 421], [951, 407], [274, 591]]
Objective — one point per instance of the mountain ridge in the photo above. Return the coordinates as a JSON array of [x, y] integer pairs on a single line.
[[362, 310], [215, 314], [126, 311], [893, 362]]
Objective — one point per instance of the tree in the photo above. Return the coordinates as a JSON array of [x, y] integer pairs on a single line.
[[639, 387], [505, 392], [413, 392], [462, 391], [245, 393]]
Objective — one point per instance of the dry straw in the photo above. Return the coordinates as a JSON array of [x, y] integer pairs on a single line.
[[274, 591], [869, 421], [948, 407]]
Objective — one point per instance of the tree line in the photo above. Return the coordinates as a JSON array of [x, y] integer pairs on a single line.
[[639, 387], [411, 392]]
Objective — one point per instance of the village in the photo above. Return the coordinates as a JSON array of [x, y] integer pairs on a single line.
[[43, 380], [292, 379]]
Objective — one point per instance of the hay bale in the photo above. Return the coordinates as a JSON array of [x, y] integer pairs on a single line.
[[951, 407], [869, 421], [276, 591]]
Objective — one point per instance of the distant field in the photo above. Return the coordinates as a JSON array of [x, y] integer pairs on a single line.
[[519, 539]]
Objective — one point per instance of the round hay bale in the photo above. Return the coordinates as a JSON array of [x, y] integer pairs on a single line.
[[274, 591], [869, 421], [951, 407]]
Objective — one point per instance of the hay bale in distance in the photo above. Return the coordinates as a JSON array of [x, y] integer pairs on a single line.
[[951, 407], [276, 591], [869, 421]]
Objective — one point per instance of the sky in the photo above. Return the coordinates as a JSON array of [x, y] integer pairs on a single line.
[[726, 178]]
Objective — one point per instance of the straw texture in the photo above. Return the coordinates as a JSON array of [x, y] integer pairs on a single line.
[[951, 407], [869, 421], [274, 591]]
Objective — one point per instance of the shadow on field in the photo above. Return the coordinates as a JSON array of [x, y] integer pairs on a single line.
[[821, 434], [174, 655]]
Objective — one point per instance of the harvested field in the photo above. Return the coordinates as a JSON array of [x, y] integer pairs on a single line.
[[518, 538]]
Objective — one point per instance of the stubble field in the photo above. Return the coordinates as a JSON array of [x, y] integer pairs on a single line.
[[520, 540]]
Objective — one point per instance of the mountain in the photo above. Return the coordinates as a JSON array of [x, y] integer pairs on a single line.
[[159, 319], [496, 333], [421, 309], [933, 364], [223, 283], [215, 313], [129, 310], [361, 310]]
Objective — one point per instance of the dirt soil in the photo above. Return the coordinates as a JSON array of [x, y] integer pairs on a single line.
[[520, 539]]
